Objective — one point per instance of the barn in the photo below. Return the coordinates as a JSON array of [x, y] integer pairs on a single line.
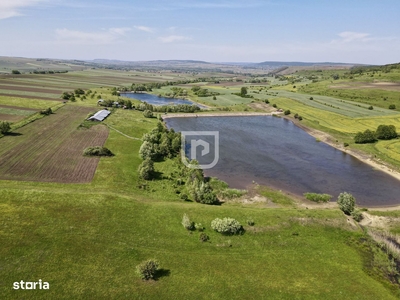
[[100, 115]]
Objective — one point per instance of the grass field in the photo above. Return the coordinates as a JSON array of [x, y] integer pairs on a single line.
[[85, 237]]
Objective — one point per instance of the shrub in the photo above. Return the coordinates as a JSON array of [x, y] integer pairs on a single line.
[[46, 112], [97, 151], [386, 132], [184, 197], [189, 225], [318, 197], [148, 114], [311, 98], [296, 115], [227, 226], [367, 136], [250, 222], [392, 106], [370, 107], [203, 237], [346, 202], [357, 215], [5, 127], [147, 269], [199, 226], [146, 169], [287, 112], [274, 105], [345, 144]]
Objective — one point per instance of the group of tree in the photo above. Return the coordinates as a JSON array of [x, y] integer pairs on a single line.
[[161, 143], [158, 144], [201, 92], [71, 96], [383, 132], [186, 108]]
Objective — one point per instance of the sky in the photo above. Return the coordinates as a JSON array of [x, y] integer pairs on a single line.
[[348, 31]]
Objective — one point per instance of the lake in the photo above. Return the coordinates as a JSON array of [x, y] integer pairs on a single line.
[[155, 100], [274, 152]]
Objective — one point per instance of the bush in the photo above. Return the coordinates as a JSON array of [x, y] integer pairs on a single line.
[[367, 136], [345, 144], [203, 237], [46, 112], [357, 215], [287, 112], [370, 107], [392, 106], [189, 225], [147, 269], [250, 222], [97, 151], [5, 127], [346, 202], [274, 105], [318, 197], [146, 169], [300, 118], [386, 132], [227, 226], [148, 114], [199, 226]]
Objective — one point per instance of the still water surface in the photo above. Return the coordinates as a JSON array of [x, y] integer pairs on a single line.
[[275, 152], [155, 100]]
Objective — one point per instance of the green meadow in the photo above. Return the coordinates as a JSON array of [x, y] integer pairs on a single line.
[[86, 239]]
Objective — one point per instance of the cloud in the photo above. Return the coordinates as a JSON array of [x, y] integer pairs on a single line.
[[12, 8], [144, 28], [350, 36], [83, 37], [173, 38]]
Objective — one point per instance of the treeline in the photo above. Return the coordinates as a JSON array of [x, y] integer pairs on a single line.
[[185, 108], [383, 132], [162, 143]]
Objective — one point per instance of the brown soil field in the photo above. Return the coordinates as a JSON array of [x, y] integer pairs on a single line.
[[31, 97], [50, 149], [19, 108], [29, 89], [388, 86], [10, 118]]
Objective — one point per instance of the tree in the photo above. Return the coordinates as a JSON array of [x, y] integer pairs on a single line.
[[147, 269], [346, 202], [146, 169], [5, 127], [367, 136], [148, 114], [15, 72], [243, 91], [386, 132]]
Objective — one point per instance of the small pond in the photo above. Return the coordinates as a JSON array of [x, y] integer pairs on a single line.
[[274, 152], [155, 100]]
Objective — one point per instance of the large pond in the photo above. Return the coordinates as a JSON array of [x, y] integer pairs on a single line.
[[274, 152], [155, 100]]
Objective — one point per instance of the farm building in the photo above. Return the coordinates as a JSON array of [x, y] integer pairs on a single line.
[[100, 115]]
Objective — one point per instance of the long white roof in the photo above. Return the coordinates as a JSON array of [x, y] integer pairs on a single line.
[[100, 115]]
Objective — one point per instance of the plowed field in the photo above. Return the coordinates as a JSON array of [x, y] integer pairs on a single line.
[[51, 148]]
